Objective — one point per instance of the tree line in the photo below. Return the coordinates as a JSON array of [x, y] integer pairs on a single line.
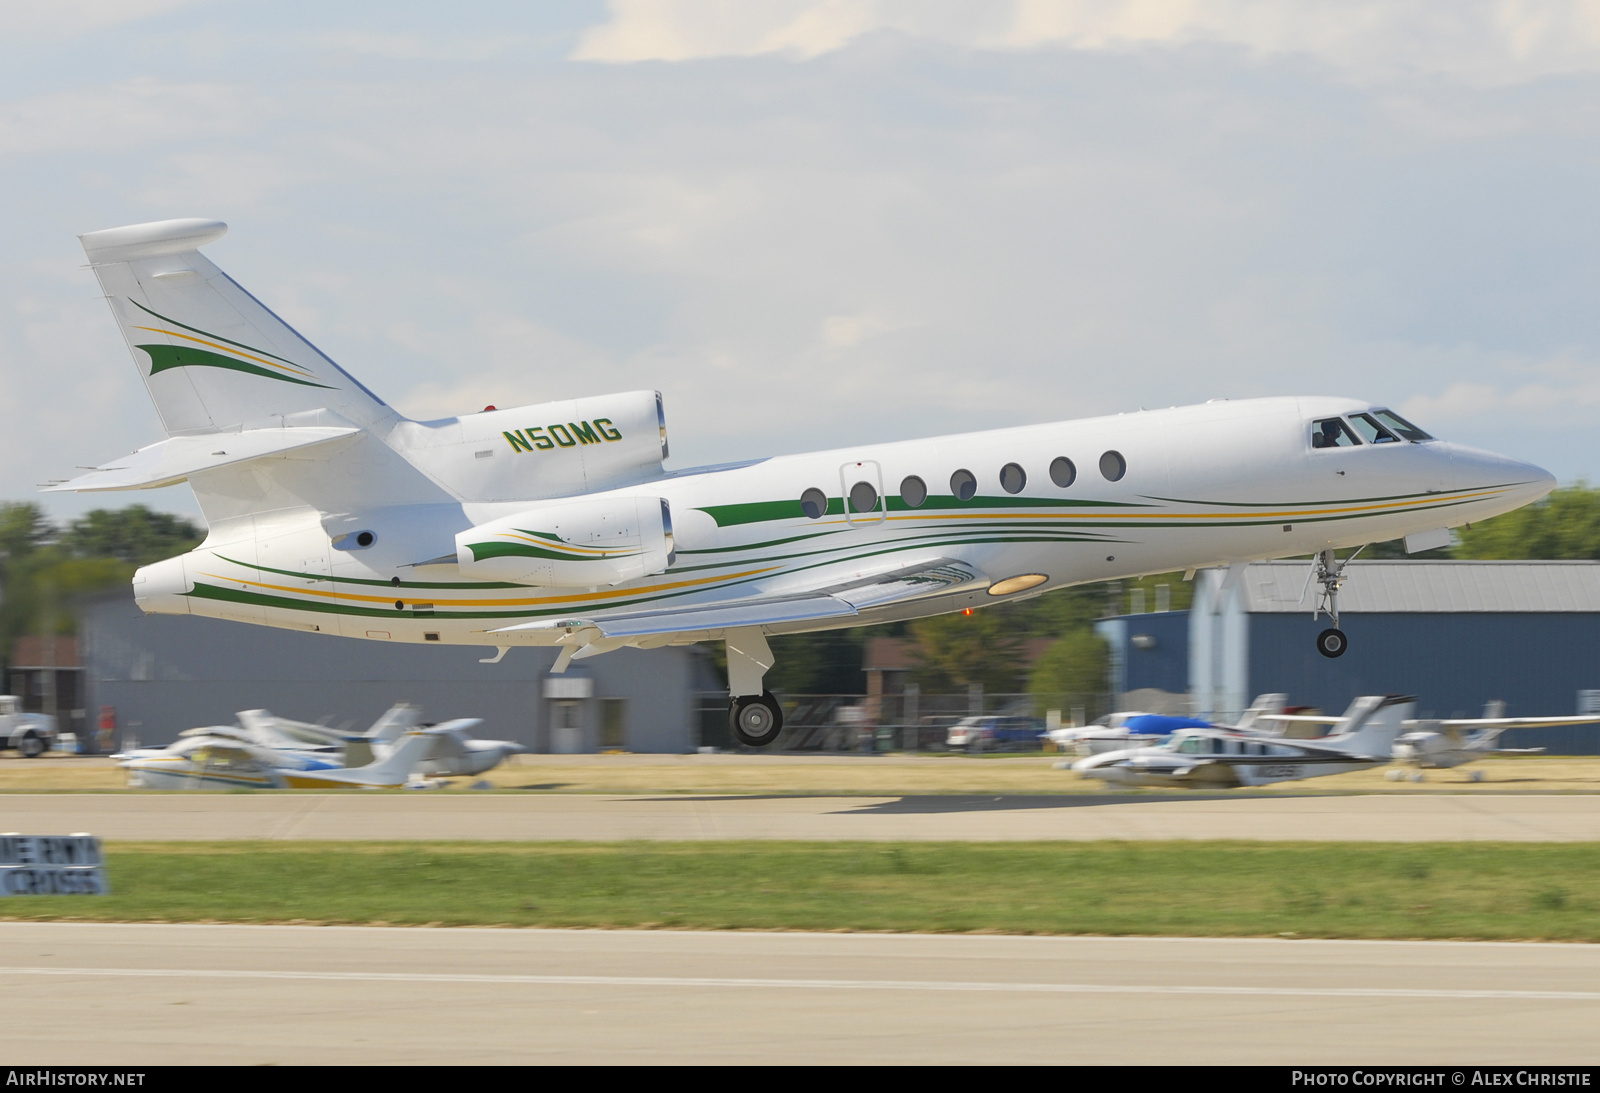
[[45, 566]]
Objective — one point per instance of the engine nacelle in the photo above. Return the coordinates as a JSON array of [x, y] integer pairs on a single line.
[[572, 544], [554, 449]]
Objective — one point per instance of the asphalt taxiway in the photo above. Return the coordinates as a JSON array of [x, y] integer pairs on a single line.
[[1510, 817], [130, 995]]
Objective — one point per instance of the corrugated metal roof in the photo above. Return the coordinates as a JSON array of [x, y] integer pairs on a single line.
[[1275, 587]]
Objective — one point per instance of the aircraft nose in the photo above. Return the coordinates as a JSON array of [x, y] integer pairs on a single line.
[[1515, 483]]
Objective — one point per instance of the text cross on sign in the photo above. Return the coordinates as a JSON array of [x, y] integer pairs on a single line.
[[52, 865]]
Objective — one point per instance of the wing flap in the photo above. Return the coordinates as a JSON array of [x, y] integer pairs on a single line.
[[176, 458]]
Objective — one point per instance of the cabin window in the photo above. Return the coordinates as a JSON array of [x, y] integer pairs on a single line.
[[1400, 425], [1191, 745], [814, 503], [1113, 466], [1371, 431], [863, 497], [1332, 432], [1013, 478], [913, 491], [1062, 472], [964, 485]]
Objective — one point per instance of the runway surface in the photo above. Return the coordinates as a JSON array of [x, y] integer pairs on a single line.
[[153, 994], [501, 816]]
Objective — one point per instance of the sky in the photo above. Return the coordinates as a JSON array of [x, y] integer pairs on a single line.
[[813, 223]]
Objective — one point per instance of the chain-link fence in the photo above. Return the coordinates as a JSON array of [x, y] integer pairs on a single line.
[[909, 721]]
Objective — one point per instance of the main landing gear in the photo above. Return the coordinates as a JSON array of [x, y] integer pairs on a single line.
[[753, 715], [1329, 573], [756, 720]]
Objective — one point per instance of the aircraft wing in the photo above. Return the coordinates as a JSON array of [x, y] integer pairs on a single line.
[[841, 600], [1507, 722], [176, 458]]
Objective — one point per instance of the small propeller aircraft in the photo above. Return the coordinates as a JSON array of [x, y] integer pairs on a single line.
[[1220, 758], [1120, 731], [455, 752], [1442, 744], [220, 758], [559, 524]]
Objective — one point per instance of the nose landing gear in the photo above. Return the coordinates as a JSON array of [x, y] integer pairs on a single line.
[[1328, 572]]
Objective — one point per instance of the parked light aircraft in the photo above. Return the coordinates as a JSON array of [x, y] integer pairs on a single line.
[[455, 752], [221, 760], [1444, 743], [558, 524], [1215, 758], [1131, 729]]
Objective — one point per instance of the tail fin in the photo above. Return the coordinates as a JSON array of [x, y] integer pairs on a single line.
[[399, 718], [211, 355], [394, 768], [1372, 723]]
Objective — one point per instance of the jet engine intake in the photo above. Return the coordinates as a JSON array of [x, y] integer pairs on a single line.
[[572, 544]]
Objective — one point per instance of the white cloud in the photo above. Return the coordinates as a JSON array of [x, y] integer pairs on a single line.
[[21, 20], [1480, 40], [140, 114]]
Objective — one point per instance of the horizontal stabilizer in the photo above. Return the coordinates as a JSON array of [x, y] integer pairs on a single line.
[[175, 459]]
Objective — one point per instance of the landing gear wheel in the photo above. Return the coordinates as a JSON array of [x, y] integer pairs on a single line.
[[1332, 643], [756, 720], [30, 746]]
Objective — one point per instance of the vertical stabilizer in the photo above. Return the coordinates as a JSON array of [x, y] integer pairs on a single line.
[[211, 355], [1371, 730]]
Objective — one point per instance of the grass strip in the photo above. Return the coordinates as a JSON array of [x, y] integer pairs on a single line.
[[1548, 891]]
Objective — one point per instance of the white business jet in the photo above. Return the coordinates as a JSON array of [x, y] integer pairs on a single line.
[[1222, 758], [558, 524]]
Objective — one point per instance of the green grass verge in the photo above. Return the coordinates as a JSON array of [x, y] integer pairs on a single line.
[[1428, 890]]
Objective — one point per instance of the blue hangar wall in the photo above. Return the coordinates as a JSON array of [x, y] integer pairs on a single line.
[[1162, 662], [166, 673], [1453, 663]]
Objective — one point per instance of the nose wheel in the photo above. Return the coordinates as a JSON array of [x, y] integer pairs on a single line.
[[756, 720], [1328, 572], [1332, 643]]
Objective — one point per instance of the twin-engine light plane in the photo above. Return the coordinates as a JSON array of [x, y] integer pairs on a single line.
[[1216, 758], [559, 524]]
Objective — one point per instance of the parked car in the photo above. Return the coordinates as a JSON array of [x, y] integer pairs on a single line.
[[995, 733], [32, 734]]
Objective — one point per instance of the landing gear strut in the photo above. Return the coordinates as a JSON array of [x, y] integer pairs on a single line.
[[1329, 573], [756, 720]]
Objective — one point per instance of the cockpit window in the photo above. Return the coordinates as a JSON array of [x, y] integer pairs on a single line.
[[1371, 431], [1332, 432], [1400, 425]]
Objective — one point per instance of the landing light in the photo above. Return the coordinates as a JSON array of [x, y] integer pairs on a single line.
[[1017, 584]]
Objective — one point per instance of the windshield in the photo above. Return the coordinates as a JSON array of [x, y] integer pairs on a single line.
[[1400, 425], [1371, 431]]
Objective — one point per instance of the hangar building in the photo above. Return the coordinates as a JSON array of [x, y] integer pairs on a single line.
[[166, 673], [1456, 634]]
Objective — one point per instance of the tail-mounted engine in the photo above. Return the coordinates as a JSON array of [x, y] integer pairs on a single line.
[[572, 544]]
